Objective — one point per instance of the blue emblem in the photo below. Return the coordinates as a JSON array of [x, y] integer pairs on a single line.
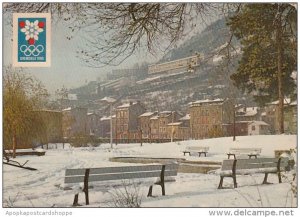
[[32, 39]]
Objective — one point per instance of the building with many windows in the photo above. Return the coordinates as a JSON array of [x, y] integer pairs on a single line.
[[207, 117], [145, 124], [184, 64], [127, 120], [74, 121]]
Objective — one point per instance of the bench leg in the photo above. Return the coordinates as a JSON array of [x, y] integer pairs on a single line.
[[279, 177], [150, 191], [221, 182], [75, 202], [86, 186], [204, 154], [266, 178], [163, 192], [234, 181], [200, 154], [86, 192]]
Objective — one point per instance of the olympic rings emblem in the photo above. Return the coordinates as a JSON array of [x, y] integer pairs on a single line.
[[31, 50]]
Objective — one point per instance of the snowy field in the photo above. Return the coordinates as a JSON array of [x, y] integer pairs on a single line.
[[42, 188]]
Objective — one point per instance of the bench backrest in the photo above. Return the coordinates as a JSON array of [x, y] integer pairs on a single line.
[[197, 148], [119, 173], [258, 163], [245, 150]]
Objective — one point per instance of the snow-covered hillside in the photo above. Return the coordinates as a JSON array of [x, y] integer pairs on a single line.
[[41, 188]]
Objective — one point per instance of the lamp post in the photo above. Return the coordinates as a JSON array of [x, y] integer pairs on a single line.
[[111, 123], [172, 128], [110, 101]]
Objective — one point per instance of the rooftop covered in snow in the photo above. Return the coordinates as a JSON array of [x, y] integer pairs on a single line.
[[207, 101], [147, 114]]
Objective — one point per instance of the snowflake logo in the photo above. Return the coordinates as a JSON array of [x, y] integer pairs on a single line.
[[31, 30]]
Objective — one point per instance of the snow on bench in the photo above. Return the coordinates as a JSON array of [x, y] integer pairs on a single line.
[[198, 149], [251, 152], [231, 168], [87, 175], [22, 152]]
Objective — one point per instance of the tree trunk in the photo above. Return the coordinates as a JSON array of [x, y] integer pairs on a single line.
[[234, 123], [14, 141], [279, 72]]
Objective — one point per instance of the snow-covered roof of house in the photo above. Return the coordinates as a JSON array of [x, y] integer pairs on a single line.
[[186, 117], [238, 105], [218, 100], [249, 111], [147, 114], [286, 101], [175, 124], [127, 105], [155, 117], [108, 99], [105, 118], [165, 112], [67, 109]]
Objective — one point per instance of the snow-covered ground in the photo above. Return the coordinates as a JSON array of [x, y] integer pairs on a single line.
[[41, 188]]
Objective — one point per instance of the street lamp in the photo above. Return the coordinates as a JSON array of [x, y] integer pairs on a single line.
[[172, 129], [110, 101]]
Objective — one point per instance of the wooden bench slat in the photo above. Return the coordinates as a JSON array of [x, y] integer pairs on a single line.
[[195, 148], [244, 150], [231, 168], [103, 170], [118, 176], [254, 163]]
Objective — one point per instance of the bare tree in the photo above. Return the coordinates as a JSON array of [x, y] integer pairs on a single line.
[[115, 31]]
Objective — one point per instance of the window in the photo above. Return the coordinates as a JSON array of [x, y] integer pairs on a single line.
[[253, 128]]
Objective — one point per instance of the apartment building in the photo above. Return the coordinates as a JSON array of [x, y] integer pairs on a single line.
[[74, 121], [145, 124], [208, 116], [127, 120]]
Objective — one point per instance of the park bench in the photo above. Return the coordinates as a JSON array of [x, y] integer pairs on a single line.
[[251, 152], [231, 168], [199, 149], [87, 175]]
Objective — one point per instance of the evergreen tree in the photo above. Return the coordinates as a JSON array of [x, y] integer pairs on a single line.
[[268, 38]]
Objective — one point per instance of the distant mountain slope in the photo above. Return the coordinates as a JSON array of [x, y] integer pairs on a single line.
[[211, 38], [175, 91]]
